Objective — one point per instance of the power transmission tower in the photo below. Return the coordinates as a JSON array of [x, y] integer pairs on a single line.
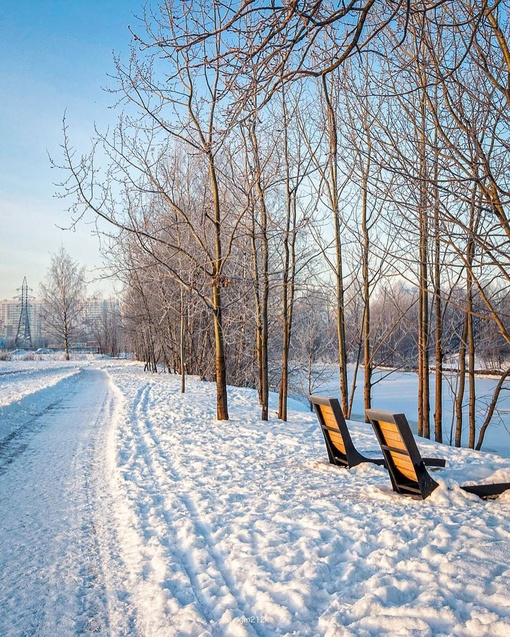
[[23, 335]]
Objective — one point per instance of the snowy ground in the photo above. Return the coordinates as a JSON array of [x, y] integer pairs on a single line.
[[128, 510]]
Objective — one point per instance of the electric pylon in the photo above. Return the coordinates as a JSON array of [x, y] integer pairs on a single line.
[[23, 336]]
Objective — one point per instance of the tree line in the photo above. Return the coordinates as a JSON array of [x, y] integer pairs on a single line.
[[293, 179]]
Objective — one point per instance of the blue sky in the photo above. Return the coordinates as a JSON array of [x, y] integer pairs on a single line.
[[55, 57]]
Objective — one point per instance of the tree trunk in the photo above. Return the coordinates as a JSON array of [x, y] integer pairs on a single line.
[[459, 400], [221, 370], [182, 343], [220, 363], [438, 306], [470, 343], [339, 279], [289, 271], [438, 313], [423, 284], [365, 269]]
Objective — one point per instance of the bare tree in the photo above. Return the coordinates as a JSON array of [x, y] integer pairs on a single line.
[[178, 94], [63, 294], [286, 40], [257, 188]]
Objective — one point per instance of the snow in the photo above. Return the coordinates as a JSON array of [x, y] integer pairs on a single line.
[[128, 510], [22, 379]]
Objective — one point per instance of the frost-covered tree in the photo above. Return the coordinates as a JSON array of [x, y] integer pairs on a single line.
[[62, 294]]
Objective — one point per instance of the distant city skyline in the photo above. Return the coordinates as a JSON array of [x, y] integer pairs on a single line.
[[55, 59]]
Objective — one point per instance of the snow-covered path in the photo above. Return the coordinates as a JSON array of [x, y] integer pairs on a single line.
[[53, 555], [127, 510]]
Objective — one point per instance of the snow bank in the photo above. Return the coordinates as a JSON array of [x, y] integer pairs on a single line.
[[21, 378]]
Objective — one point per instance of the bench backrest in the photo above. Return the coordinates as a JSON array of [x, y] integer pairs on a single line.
[[341, 450], [407, 470]]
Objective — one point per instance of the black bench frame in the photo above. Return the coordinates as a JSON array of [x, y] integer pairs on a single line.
[[406, 467]]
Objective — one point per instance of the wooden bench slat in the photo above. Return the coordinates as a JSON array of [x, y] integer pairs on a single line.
[[338, 441], [391, 434], [332, 428], [405, 466], [329, 416]]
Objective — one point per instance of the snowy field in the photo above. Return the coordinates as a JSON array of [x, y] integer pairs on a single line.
[[128, 510]]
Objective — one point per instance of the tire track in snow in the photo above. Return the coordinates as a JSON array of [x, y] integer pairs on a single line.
[[161, 588], [173, 521]]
